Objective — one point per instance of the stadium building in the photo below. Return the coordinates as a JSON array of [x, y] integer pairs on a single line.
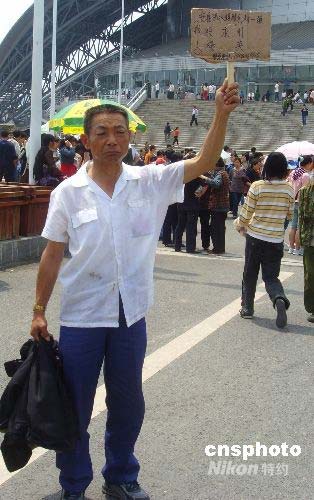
[[165, 56], [156, 47]]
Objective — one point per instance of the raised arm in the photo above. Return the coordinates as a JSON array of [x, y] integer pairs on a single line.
[[227, 99]]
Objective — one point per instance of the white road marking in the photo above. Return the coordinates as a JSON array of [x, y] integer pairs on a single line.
[[228, 257], [161, 358]]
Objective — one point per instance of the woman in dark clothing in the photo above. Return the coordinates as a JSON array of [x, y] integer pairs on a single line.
[[219, 205], [46, 173], [67, 155], [204, 214], [239, 182], [187, 218]]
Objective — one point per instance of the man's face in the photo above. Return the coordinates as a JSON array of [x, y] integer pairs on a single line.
[[258, 166], [53, 145], [108, 138]]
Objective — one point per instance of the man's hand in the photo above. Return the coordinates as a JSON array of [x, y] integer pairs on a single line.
[[199, 194], [227, 97], [39, 327]]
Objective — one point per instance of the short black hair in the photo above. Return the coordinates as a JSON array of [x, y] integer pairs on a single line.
[[255, 161], [176, 156], [46, 139], [253, 149], [220, 164], [160, 153], [226, 148], [102, 108], [276, 166], [305, 160], [17, 134], [4, 134]]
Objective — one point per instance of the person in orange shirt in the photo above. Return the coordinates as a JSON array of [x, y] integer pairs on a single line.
[[160, 158], [150, 154], [176, 133]]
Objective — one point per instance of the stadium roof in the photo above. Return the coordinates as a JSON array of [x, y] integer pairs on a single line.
[[85, 35], [293, 36]]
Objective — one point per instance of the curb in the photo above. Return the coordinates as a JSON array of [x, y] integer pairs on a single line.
[[21, 250]]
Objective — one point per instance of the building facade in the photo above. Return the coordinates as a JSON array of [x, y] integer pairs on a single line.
[[291, 63]]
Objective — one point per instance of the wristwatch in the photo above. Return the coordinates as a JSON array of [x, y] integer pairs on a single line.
[[39, 308]]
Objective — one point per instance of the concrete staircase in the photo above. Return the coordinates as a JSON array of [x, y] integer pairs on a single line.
[[252, 124]]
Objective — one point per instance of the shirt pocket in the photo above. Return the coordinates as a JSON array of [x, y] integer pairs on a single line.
[[84, 216], [141, 217]]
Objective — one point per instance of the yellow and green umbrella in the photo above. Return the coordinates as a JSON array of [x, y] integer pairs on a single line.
[[71, 118]]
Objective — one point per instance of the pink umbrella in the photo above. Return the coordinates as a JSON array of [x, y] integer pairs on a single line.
[[292, 150]]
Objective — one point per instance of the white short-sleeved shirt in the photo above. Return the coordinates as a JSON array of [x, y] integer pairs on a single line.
[[112, 241]]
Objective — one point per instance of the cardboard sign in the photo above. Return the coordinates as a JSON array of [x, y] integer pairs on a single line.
[[219, 35]]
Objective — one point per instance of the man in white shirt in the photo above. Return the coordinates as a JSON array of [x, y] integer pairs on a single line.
[[110, 215], [211, 94], [14, 139], [276, 89], [157, 88], [194, 116]]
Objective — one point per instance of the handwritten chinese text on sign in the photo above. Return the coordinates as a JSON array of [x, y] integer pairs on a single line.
[[219, 35]]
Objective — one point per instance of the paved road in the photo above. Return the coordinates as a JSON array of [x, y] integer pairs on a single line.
[[210, 378]]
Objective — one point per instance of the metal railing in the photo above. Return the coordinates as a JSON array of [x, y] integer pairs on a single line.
[[138, 98]]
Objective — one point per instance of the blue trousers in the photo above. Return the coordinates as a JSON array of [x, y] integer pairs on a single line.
[[235, 200], [122, 350]]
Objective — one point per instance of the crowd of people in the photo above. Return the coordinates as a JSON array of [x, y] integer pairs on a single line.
[[207, 91], [56, 160], [108, 282], [210, 198], [13, 155]]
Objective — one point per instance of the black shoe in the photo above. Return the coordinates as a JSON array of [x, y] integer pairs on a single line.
[[310, 318], [125, 491], [245, 313], [65, 495], [215, 252], [281, 320]]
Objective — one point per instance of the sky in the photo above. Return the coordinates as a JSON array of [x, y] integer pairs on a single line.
[[14, 11]]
